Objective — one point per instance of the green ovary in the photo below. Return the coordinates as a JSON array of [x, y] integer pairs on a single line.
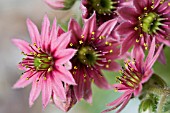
[[103, 6], [87, 56], [42, 62], [151, 23]]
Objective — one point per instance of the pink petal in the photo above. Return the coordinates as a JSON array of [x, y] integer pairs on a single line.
[[45, 32], [128, 42], [61, 42], [124, 13], [89, 26], [35, 91], [64, 75], [22, 82], [76, 30], [125, 28], [79, 88], [106, 28], [148, 73], [59, 31], [33, 31], [58, 87], [140, 4], [46, 90], [22, 45], [113, 66], [87, 90], [138, 90], [64, 55], [162, 57], [58, 4], [120, 87]]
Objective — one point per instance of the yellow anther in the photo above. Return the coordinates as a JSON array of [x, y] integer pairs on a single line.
[[80, 42], [139, 18], [39, 48], [49, 58], [49, 69], [106, 43], [120, 71], [115, 89], [71, 44], [74, 72], [141, 35], [82, 36], [27, 78], [111, 51], [92, 80], [35, 44], [146, 48], [141, 25], [110, 44], [109, 61], [145, 44], [38, 55], [137, 40], [75, 67], [26, 66], [84, 80], [85, 75], [92, 38], [168, 3], [31, 53], [132, 69], [145, 8], [152, 6], [93, 33], [45, 78], [107, 66], [136, 28]]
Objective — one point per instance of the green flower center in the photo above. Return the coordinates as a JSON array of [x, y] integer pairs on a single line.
[[151, 23], [87, 56], [103, 6], [43, 62]]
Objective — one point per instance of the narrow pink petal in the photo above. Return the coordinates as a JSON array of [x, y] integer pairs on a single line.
[[151, 52], [46, 90], [124, 13], [138, 90], [148, 73], [106, 28], [22, 45], [89, 26], [120, 99], [87, 90], [140, 4], [22, 82], [113, 66], [121, 87], [128, 42], [152, 61], [53, 33], [61, 42], [33, 31], [59, 103], [100, 80], [64, 55], [58, 87], [58, 4], [59, 31], [64, 75], [125, 28], [162, 57], [79, 88], [45, 32], [76, 30], [35, 91]]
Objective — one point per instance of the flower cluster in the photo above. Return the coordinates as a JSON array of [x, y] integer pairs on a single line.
[[64, 64]]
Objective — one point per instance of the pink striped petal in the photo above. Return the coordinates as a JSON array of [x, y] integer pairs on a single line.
[[138, 90], [89, 26], [23, 81], [64, 75], [58, 87], [106, 28], [87, 90], [33, 31], [35, 91], [64, 55], [22, 45], [58, 4], [125, 28], [46, 90]]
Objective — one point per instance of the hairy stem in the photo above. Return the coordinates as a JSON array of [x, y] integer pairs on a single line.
[[161, 103]]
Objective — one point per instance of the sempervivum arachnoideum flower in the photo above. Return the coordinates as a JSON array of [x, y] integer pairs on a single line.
[[147, 19], [134, 74], [43, 62], [95, 51], [105, 9]]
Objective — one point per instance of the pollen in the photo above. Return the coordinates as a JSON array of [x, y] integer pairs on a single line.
[[107, 66], [75, 67], [71, 44], [169, 4], [93, 33], [136, 28], [106, 43], [145, 8], [82, 36], [111, 51], [137, 40], [80, 42]]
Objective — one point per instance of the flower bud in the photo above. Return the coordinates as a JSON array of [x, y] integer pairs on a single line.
[[146, 106]]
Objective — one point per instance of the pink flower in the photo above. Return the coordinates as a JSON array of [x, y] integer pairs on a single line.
[[60, 4], [44, 61], [96, 51], [147, 19], [105, 9], [135, 73]]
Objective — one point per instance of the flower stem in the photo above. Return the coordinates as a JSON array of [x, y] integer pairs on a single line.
[[161, 103]]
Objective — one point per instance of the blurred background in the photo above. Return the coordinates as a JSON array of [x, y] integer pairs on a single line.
[[13, 15]]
